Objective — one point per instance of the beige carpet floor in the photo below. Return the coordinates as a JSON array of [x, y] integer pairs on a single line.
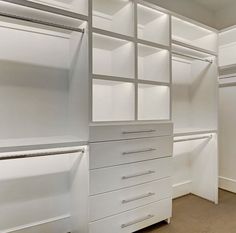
[[192, 214]]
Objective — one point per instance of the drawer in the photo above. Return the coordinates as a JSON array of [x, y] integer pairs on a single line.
[[134, 220], [117, 177], [118, 132], [111, 203], [111, 153]]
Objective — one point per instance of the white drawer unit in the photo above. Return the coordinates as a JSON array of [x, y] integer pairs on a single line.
[[99, 133], [130, 176], [117, 177], [116, 202], [120, 152], [133, 220]]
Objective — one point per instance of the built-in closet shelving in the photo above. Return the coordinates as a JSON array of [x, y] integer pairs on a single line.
[[130, 68], [44, 105], [194, 109]]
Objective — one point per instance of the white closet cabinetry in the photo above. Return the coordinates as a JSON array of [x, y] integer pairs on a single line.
[[130, 184], [194, 112]]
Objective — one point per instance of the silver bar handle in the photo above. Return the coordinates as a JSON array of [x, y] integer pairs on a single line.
[[140, 131], [138, 198], [137, 221], [138, 151], [137, 174]]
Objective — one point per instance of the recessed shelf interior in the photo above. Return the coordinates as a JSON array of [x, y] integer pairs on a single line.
[[193, 34], [111, 15], [113, 101], [112, 56], [227, 48], [43, 80], [47, 184], [153, 102], [153, 25], [194, 91], [153, 64]]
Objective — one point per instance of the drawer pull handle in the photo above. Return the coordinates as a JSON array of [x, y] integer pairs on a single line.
[[140, 131], [138, 198], [138, 174], [138, 151], [137, 221]]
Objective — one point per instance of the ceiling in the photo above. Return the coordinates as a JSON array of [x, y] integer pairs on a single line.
[[214, 5]]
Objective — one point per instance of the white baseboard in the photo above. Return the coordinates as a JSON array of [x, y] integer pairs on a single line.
[[58, 224], [227, 184], [182, 189]]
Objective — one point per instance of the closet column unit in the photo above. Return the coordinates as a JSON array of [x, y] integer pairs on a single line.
[[227, 87], [194, 109], [44, 126], [131, 135]]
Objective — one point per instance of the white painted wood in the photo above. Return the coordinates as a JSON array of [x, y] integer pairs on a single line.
[[227, 184], [111, 15], [153, 25], [112, 178], [105, 205], [181, 189], [153, 64], [108, 132], [153, 213], [45, 184], [113, 101], [153, 102], [192, 34], [112, 56], [128, 151]]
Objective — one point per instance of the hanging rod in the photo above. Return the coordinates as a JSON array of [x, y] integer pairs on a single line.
[[193, 139], [39, 153], [189, 56], [45, 23], [46, 8]]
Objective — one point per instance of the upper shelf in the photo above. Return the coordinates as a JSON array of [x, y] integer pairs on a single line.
[[114, 15], [153, 25], [193, 35]]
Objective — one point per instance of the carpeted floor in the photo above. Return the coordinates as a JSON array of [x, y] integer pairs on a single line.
[[192, 214]]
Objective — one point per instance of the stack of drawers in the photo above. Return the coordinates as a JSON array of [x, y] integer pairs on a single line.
[[130, 169]]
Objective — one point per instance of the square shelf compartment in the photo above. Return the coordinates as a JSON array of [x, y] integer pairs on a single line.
[[153, 25], [113, 57], [192, 34], [114, 15], [113, 101], [153, 64], [153, 102]]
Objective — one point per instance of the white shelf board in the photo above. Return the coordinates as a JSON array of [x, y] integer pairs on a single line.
[[192, 131]]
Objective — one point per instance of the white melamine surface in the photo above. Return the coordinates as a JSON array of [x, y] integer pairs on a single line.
[[153, 25], [45, 184], [111, 15], [153, 64], [112, 56], [153, 102], [113, 101], [194, 35]]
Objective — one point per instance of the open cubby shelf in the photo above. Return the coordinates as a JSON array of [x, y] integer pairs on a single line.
[[153, 64], [112, 56], [111, 15], [192, 34], [153, 25], [153, 102]]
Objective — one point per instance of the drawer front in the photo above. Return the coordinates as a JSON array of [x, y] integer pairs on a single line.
[[117, 177], [105, 154], [115, 202], [134, 220], [119, 132]]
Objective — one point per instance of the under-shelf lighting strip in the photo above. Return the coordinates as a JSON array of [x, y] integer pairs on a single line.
[[193, 57]]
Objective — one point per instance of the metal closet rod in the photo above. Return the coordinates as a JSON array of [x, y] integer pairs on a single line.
[[38, 153], [45, 23], [189, 56], [192, 139]]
